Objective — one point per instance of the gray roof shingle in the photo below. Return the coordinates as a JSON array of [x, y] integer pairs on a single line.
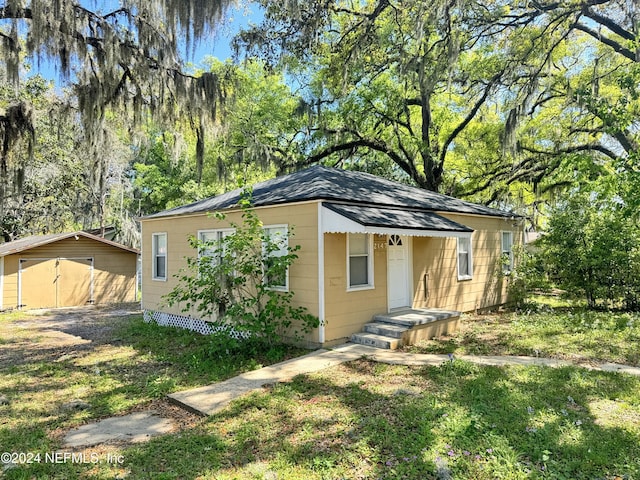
[[337, 185], [397, 218]]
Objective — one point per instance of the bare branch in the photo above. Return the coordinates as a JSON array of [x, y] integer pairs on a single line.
[[373, 144], [616, 46], [592, 147], [609, 23]]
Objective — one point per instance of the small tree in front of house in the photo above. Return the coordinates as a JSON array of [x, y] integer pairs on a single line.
[[239, 280]]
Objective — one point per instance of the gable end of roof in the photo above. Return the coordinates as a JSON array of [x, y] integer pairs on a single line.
[[35, 241]]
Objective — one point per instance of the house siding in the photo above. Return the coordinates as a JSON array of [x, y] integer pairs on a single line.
[[323, 288], [114, 272], [301, 220], [436, 258], [1, 283], [346, 311], [10, 299]]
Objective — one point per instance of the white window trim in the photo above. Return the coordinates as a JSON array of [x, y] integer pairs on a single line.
[[370, 285], [285, 287], [200, 233], [470, 253], [506, 270], [153, 257]]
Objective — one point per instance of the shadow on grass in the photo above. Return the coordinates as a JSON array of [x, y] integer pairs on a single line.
[[570, 333], [123, 355], [359, 420], [126, 365], [308, 428], [458, 419], [547, 419]]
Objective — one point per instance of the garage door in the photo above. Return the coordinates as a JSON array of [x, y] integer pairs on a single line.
[[55, 282]]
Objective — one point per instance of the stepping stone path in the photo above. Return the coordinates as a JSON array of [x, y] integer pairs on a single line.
[[136, 427]]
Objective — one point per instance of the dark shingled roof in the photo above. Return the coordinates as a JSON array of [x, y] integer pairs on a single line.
[[397, 218], [333, 184]]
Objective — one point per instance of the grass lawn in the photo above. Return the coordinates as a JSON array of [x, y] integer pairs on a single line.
[[116, 365], [358, 420], [551, 329]]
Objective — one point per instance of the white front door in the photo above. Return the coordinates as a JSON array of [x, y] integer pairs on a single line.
[[398, 290]]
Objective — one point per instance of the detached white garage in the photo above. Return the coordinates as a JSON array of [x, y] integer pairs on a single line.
[[64, 270]]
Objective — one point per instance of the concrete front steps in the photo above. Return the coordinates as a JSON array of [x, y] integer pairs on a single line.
[[392, 330]]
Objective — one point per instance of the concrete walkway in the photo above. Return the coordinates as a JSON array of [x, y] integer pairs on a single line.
[[141, 426], [213, 398], [134, 428]]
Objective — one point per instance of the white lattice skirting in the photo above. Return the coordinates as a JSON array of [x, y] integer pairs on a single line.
[[190, 323]]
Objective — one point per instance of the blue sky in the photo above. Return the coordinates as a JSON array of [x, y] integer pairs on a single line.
[[219, 46]]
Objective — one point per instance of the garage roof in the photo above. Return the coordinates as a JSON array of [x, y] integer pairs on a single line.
[[27, 243]]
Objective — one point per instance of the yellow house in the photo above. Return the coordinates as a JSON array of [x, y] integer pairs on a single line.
[[396, 261], [65, 270]]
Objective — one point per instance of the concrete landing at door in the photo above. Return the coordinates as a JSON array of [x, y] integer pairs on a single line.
[[406, 327]]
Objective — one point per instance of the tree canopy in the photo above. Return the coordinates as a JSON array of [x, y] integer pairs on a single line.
[[123, 58], [504, 103], [127, 58], [479, 99]]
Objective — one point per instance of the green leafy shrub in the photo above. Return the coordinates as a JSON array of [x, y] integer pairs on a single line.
[[592, 248], [237, 282], [526, 277]]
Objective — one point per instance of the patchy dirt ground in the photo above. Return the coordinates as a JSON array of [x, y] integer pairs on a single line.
[[49, 336]]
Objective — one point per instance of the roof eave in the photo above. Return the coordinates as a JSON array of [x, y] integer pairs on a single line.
[[53, 239]]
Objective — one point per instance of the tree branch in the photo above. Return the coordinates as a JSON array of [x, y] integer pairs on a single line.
[[574, 149], [377, 145], [616, 46], [608, 23], [626, 141], [470, 116]]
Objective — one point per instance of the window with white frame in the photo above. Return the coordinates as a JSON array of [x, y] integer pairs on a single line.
[[276, 247], [159, 254], [465, 258], [360, 263], [213, 239], [507, 252]]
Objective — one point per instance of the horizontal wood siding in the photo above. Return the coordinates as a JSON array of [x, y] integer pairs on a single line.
[[114, 269], [436, 258], [303, 276], [347, 311], [10, 286]]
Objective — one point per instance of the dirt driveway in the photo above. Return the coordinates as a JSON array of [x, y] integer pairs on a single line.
[[48, 335], [67, 338]]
